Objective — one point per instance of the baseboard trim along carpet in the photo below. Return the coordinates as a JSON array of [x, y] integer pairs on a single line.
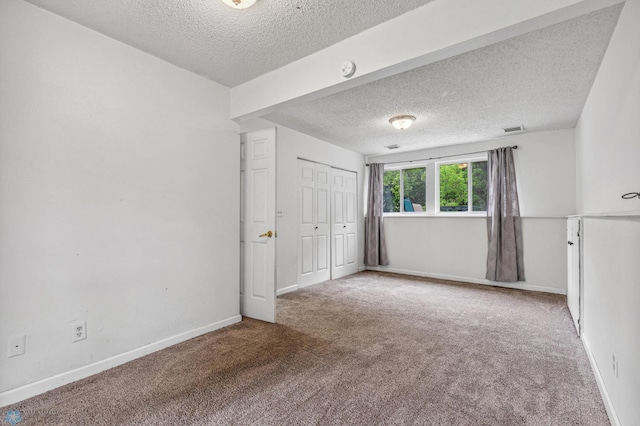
[[608, 405], [32, 389], [286, 290], [517, 286], [370, 348]]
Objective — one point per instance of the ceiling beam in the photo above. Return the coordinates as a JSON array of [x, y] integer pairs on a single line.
[[436, 31]]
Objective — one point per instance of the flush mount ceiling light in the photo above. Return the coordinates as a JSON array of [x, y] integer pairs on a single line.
[[402, 122], [239, 4]]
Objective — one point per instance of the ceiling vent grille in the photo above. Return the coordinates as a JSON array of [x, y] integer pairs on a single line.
[[396, 146], [513, 129]]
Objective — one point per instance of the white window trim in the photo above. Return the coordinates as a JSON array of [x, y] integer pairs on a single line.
[[433, 189]]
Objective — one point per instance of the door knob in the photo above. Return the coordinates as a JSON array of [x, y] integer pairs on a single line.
[[570, 243], [268, 234]]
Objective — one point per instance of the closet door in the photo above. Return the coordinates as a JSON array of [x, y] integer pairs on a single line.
[[314, 225], [344, 247]]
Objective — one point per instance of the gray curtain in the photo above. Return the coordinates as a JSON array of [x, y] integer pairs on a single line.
[[375, 249], [504, 260]]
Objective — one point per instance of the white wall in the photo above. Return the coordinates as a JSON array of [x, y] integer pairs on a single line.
[[608, 132], [611, 319], [292, 145], [456, 248], [119, 201], [608, 149]]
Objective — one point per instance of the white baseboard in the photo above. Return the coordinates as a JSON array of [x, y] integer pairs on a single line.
[[608, 405], [286, 290], [362, 268], [32, 389], [520, 286]]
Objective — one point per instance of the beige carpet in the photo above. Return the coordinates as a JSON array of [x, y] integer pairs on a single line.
[[367, 349]]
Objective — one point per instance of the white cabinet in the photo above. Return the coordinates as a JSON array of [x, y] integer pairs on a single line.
[[573, 270]]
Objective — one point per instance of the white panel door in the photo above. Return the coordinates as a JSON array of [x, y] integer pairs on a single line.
[[323, 224], [573, 270], [258, 180], [314, 227], [344, 213]]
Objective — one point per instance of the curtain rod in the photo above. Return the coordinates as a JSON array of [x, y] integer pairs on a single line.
[[443, 156]]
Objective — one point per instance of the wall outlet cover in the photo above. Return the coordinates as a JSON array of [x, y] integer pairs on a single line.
[[78, 331], [17, 345]]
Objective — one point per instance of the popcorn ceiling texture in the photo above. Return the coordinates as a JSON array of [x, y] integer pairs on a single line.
[[540, 80], [223, 44]]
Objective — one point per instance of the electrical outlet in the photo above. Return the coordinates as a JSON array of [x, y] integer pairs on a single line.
[[17, 345], [78, 331], [614, 364]]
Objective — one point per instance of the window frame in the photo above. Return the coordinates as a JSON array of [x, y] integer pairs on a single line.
[[432, 186]]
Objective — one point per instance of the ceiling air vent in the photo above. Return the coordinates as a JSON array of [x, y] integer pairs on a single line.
[[396, 146], [513, 129]]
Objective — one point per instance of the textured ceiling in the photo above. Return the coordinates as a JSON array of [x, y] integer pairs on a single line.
[[540, 80], [226, 45]]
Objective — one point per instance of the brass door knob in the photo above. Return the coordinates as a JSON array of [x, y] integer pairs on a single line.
[[268, 234]]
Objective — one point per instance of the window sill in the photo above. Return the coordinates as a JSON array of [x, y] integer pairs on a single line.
[[482, 215]]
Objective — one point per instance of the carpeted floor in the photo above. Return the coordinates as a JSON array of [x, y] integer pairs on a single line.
[[367, 349]]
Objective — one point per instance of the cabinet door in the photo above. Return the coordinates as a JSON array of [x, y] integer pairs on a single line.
[[573, 270]]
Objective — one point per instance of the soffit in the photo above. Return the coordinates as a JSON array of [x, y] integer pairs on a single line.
[[540, 80]]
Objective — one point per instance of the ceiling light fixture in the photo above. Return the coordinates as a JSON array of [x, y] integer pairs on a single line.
[[239, 4], [402, 122]]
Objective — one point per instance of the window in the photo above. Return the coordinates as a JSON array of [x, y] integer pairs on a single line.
[[405, 190], [457, 187], [463, 186]]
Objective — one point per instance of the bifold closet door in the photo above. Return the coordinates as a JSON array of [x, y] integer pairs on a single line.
[[344, 248], [314, 260]]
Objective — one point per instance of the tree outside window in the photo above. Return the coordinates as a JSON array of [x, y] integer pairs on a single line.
[[455, 190], [391, 185], [408, 186]]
